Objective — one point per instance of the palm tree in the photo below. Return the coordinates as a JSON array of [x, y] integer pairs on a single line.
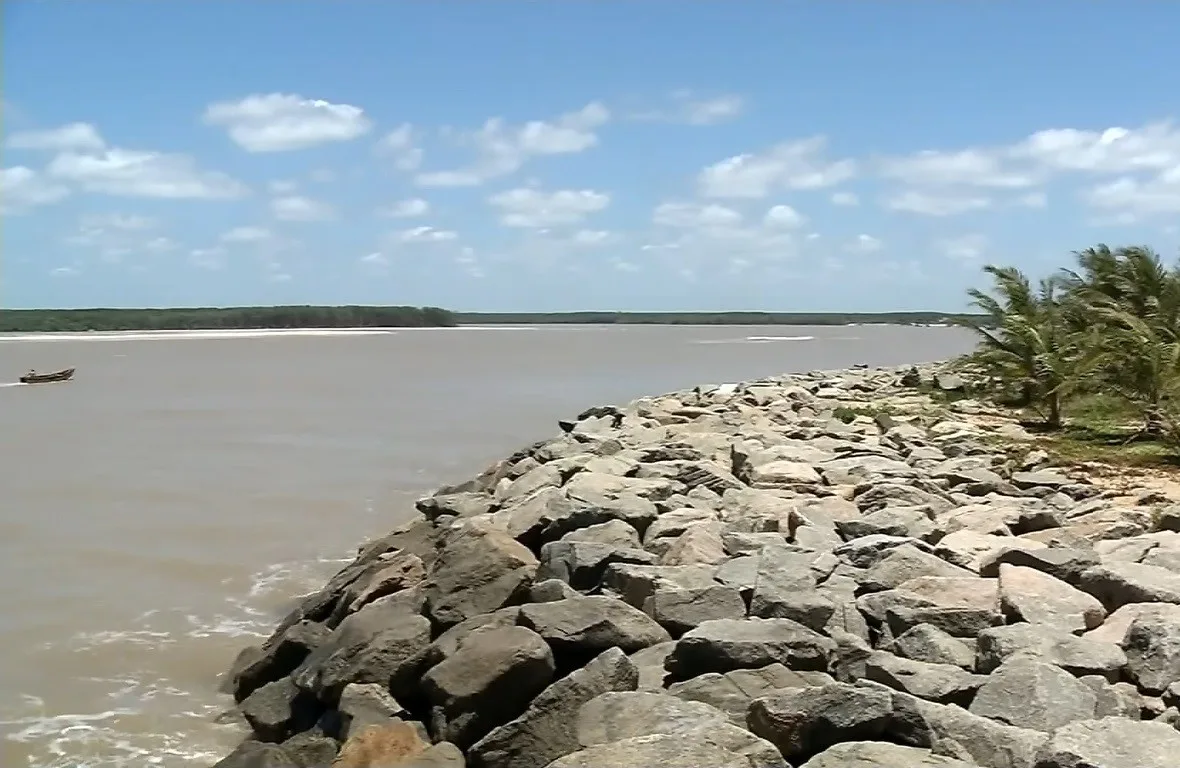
[[1134, 301], [1026, 342]]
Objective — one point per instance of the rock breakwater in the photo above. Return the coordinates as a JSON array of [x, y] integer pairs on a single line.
[[822, 570]]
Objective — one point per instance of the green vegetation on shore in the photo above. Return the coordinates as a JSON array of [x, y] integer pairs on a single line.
[[49, 320], [1092, 353], [713, 318]]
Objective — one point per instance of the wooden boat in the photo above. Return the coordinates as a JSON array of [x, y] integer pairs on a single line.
[[46, 378]]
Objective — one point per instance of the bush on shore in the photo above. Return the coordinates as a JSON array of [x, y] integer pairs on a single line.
[[1087, 347]]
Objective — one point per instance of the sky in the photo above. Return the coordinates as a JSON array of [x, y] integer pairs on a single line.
[[570, 155]]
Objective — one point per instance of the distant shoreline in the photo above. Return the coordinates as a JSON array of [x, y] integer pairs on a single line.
[[364, 317]]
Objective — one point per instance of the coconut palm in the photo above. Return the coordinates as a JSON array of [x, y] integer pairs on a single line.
[[1026, 342]]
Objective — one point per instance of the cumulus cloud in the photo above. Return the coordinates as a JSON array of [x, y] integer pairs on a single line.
[[790, 165], [248, 234], [502, 149], [74, 136], [535, 208], [866, 244], [694, 215], [298, 208], [784, 216], [847, 199], [399, 144], [929, 204], [144, 174], [405, 209], [969, 247], [425, 235], [281, 122], [691, 109], [22, 189]]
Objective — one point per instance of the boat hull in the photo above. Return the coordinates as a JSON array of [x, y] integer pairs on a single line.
[[47, 378]]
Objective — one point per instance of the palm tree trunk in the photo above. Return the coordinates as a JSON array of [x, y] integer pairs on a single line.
[[1054, 419]]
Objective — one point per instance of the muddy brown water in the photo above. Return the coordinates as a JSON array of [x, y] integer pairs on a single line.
[[165, 507]]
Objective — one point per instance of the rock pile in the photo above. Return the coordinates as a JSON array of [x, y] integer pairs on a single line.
[[821, 570]]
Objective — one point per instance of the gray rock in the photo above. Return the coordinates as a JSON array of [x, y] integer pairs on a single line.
[[1152, 645], [447, 644], [310, 749], [476, 573], [1076, 655], [803, 722], [580, 628], [733, 691], [1111, 742], [928, 643], [581, 564], [1060, 562], [650, 662], [726, 644], [634, 584], [549, 590], [279, 657], [363, 704], [1034, 694], [667, 751], [867, 551], [490, 680], [908, 562], [940, 683], [615, 533], [680, 610], [278, 709], [381, 643], [547, 729], [256, 754], [876, 754], [955, 732], [614, 717], [1117, 584], [1029, 595]]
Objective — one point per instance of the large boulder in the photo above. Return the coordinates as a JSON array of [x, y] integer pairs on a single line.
[[726, 644], [876, 754], [490, 680], [1111, 742], [805, 721], [477, 572], [580, 628], [547, 729]]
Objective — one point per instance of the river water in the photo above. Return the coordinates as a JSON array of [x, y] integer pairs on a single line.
[[164, 508]]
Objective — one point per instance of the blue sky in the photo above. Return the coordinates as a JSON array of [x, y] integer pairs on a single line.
[[505, 155]]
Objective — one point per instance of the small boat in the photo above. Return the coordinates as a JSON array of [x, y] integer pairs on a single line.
[[46, 378]]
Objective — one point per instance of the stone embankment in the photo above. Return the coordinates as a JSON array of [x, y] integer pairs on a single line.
[[820, 570]]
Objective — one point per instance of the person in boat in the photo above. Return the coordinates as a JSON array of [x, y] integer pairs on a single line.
[[31, 372]]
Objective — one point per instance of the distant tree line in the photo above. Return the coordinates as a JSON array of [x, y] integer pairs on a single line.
[[713, 318], [209, 318]]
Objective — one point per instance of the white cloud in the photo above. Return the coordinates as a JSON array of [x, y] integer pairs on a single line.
[[535, 208], [374, 262], [144, 174], [114, 235], [784, 216], [74, 136], [974, 167], [282, 187], [1131, 199], [279, 122], [297, 208], [965, 247], [932, 204], [65, 271], [405, 209], [502, 149], [589, 237], [695, 215], [847, 199], [425, 235], [1153, 148], [23, 188], [247, 235], [866, 244], [207, 258], [1033, 200], [790, 165], [400, 145], [686, 107]]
